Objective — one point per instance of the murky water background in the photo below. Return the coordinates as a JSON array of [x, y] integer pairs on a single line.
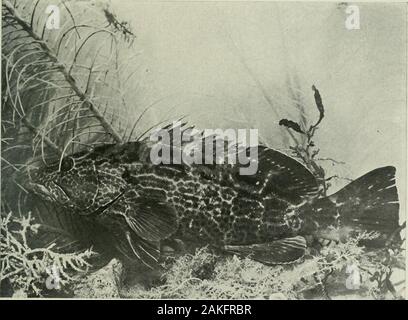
[[201, 59]]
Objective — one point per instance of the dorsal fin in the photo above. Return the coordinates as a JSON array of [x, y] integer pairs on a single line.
[[281, 175]]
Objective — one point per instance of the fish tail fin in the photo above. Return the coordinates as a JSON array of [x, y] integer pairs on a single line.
[[369, 203]]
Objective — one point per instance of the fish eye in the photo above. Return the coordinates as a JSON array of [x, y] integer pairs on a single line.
[[67, 164]]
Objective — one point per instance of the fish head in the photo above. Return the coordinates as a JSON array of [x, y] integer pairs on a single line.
[[83, 185]]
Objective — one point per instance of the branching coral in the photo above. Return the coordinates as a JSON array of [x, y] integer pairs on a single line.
[[30, 269], [60, 88], [323, 275]]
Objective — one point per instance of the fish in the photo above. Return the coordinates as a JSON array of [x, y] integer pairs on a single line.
[[269, 216]]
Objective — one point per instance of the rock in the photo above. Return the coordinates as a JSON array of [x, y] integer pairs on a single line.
[[19, 294], [100, 284], [277, 296], [398, 281]]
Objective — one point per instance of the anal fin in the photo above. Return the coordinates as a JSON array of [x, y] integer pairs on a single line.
[[283, 251]]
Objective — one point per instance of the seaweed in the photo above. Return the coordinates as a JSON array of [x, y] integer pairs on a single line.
[[317, 276], [308, 152], [61, 93], [35, 271], [60, 90]]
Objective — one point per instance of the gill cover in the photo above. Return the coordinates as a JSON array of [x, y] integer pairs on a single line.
[[79, 184]]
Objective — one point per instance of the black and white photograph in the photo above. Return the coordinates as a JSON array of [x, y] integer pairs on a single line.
[[203, 150]]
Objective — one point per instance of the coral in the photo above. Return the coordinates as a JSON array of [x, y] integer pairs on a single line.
[[100, 284], [321, 275], [34, 270], [61, 101]]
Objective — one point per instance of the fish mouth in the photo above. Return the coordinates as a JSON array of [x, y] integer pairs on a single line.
[[62, 189], [40, 190]]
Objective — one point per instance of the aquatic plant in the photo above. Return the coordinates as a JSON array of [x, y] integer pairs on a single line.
[[60, 81], [317, 276], [35, 271], [59, 90]]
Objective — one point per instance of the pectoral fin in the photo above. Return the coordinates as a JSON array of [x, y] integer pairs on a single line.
[[283, 251], [151, 219], [137, 249]]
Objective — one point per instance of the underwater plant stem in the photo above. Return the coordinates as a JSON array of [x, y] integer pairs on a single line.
[[62, 69], [33, 129]]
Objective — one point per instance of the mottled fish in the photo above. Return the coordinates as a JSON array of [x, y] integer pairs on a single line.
[[135, 205]]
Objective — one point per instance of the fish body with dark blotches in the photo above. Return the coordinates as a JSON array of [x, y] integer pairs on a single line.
[[137, 205]]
